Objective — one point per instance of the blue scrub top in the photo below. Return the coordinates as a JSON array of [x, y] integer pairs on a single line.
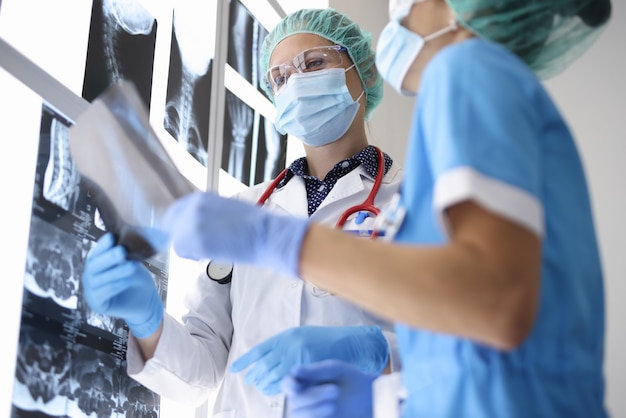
[[484, 128]]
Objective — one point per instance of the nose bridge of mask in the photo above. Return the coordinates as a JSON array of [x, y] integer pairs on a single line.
[[288, 69], [324, 83], [308, 83]]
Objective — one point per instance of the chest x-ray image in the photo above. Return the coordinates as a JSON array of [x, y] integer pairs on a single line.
[[253, 150], [189, 79], [122, 38]]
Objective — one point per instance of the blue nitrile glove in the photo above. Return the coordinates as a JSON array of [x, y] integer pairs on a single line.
[[329, 389], [364, 347], [206, 225], [121, 288]]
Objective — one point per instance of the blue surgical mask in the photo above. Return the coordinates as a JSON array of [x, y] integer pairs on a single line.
[[316, 107], [397, 49]]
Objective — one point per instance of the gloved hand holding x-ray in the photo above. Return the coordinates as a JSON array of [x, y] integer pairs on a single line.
[[116, 286], [132, 178]]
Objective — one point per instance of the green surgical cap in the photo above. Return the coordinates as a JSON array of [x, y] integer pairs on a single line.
[[547, 34], [340, 29]]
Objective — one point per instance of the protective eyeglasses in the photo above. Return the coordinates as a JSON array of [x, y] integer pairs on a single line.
[[309, 60]]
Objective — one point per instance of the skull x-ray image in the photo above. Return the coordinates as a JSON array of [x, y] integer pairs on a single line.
[[121, 46], [189, 80], [253, 150]]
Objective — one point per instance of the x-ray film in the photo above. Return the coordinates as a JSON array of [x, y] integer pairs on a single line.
[[135, 181]]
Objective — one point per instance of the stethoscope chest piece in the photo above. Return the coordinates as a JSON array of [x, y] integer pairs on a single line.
[[219, 271]]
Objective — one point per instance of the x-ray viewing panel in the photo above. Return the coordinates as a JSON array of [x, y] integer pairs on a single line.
[[68, 361]]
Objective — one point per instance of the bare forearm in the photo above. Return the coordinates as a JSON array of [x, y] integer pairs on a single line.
[[148, 345], [454, 288]]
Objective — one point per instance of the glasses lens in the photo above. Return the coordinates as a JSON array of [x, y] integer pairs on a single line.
[[276, 77], [314, 59]]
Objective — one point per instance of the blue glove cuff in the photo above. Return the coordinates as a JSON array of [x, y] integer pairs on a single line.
[[280, 241], [151, 324], [379, 351]]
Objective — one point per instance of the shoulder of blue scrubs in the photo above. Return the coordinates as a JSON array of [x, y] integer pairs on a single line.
[[481, 112]]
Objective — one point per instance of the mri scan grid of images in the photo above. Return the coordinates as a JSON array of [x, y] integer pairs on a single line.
[[71, 361]]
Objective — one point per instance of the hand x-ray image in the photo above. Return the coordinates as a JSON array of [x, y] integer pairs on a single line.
[[121, 47], [189, 80], [253, 150]]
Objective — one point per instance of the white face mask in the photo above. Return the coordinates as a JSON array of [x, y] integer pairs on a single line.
[[316, 107], [398, 48], [399, 9]]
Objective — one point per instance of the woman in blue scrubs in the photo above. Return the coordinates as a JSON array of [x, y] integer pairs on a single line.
[[494, 278]]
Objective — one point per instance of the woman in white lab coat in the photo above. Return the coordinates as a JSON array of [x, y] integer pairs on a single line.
[[321, 59]]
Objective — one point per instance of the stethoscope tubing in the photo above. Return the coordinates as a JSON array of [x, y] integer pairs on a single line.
[[366, 206]]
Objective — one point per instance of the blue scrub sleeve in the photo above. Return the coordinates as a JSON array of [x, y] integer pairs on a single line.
[[477, 112]]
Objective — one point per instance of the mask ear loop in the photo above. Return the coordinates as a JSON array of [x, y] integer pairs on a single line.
[[453, 26], [360, 95], [363, 87]]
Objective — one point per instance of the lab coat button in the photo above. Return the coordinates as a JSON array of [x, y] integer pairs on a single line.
[[294, 284]]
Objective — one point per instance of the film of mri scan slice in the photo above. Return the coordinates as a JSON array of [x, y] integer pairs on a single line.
[[134, 179]]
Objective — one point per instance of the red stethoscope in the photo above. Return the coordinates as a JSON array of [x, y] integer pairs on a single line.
[[222, 272], [362, 210]]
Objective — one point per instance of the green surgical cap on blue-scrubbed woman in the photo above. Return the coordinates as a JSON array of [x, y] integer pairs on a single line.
[[547, 34], [340, 29]]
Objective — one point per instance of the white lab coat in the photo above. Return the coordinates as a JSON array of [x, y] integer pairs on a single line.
[[225, 321]]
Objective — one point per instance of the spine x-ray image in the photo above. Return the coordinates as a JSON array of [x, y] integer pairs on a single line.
[[189, 81], [121, 46], [71, 361], [253, 150]]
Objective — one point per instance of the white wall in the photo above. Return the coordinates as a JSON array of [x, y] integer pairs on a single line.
[[388, 127], [591, 95]]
